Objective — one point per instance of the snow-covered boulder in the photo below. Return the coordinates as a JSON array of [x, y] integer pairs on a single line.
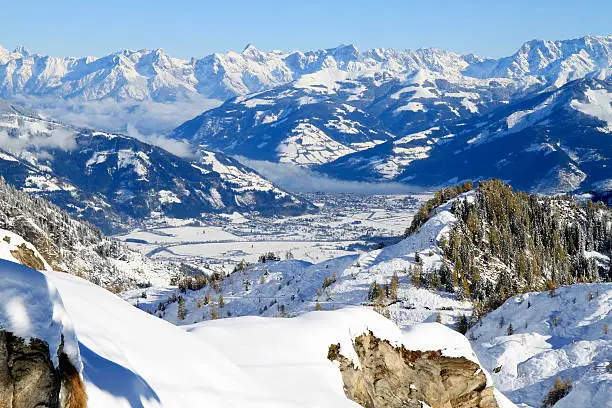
[[40, 362]]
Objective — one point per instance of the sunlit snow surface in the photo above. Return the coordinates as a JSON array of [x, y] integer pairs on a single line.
[[31, 307], [567, 335], [134, 359]]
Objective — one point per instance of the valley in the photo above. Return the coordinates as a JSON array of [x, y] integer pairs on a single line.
[[345, 224]]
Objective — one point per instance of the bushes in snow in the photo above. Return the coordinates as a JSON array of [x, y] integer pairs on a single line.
[[559, 390], [268, 257]]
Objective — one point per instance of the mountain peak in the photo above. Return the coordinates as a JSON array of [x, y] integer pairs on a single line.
[[348, 48], [20, 49], [250, 49]]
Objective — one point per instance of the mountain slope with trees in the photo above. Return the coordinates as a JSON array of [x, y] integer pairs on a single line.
[[75, 246]]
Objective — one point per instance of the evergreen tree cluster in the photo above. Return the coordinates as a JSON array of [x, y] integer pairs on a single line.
[[439, 198], [507, 242], [69, 244]]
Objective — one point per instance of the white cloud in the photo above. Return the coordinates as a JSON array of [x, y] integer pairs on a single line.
[[148, 117], [31, 135], [177, 147], [146, 121], [299, 179]]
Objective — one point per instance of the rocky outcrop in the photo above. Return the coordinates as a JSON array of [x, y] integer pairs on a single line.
[[393, 377], [27, 257], [29, 379]]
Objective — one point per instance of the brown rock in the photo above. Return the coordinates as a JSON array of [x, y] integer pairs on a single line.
[[392, 377], [28, 378], [27, 257]]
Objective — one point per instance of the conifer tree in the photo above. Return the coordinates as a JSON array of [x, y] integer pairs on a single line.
[[181, 312]]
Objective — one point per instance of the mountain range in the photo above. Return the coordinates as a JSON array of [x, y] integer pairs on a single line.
[[539, 119], [153, 74], [435, 119]]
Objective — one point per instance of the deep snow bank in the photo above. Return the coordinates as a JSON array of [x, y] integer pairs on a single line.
[[133, 359], [292, 353]]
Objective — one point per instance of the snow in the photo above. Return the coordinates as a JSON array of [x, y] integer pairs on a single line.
[[343, 225], [133, 359], [420, 92], [598, 105], [45, 182], [291, 353], [97, 158], [6, 157], [253, 102], [243, 180], [411, 106], [11, 242], [168, 197], [309, 145], [324, 81], [298, 285], [555, 336], [435, 336], [139, 161], [32, 309]]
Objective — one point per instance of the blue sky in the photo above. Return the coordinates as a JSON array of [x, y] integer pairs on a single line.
[[187, 28]]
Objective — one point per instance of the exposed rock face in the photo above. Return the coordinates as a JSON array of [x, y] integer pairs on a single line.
[[28, 378], [391, 377], [27, 257]]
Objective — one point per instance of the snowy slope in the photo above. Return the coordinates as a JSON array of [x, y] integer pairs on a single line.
[[549, 142], [564, 335], [292, 287], [133, 359], [292, 353], [114, 180], [63, 243], [129, 358]]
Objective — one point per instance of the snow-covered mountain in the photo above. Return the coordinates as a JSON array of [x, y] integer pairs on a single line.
[[376, 124], [438, 272], [153, 74], [535, 338], [300, 124], [114, 180], [373, 114], [553, 141], [42, 236]]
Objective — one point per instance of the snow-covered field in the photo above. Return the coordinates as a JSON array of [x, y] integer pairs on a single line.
[[346, 224]]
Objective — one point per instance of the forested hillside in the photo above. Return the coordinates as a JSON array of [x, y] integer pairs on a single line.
[[506, 242], [76, 246]]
